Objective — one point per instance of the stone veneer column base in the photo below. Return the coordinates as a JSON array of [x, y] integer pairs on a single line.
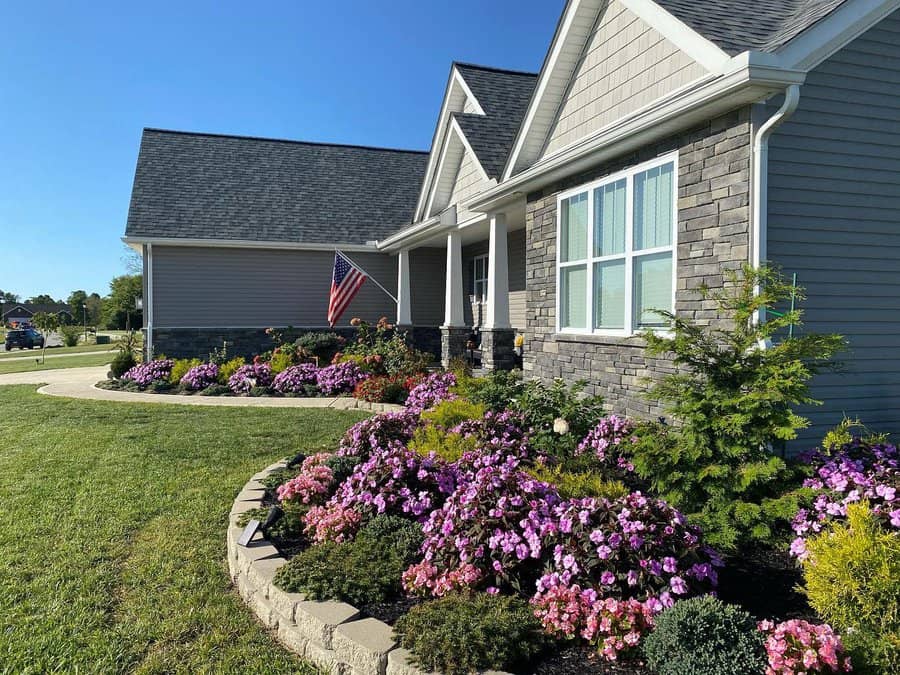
[[453, 342], [498, 348]]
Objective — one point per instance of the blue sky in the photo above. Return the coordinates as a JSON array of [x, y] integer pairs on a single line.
[[78, 82]]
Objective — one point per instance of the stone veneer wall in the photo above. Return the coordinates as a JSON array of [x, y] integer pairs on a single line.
[[713, 235], [247, 342]]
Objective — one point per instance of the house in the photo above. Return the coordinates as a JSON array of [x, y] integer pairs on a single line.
[[17, 313], [662, 143]]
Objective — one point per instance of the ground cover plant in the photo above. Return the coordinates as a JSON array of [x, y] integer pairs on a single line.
[[112, 557], [8, 366]]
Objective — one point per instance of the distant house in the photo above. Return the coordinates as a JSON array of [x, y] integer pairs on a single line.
[[23, 312], [662, 143]]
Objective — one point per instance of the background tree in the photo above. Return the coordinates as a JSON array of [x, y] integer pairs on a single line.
[[119, 306], [47, 323], [42, 299], [94, 309], [132, 261], [76, 301], [8, 297]]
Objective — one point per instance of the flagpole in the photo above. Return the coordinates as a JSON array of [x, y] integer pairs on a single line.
[[368, 276]]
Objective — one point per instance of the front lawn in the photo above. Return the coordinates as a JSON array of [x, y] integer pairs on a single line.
[[112, 540], [80, 349], [28, 365]]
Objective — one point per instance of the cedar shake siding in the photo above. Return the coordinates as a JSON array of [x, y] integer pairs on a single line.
[[834, 220], [712, 236]]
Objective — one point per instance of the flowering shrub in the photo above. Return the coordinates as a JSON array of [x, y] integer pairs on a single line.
[[855, 472], [249, 376], [144, 374], [605, 441], [629, 547], [377, 432], [430, 391], [200, 377], [393, 481], [295, 379], [492, 527], [381, 389], [332, 522], [497, 436], [796, 646], [339, 378], [311, 485], [613, 626]]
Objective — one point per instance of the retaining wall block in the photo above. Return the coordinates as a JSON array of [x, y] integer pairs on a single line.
[[319, 619], [364, 644]]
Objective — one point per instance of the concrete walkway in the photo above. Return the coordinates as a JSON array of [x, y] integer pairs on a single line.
[[79, 383]]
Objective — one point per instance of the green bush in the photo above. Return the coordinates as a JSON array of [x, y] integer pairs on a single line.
[[227, 369], [320, 345], [461, 634], [365, 570], [122, 363], [445, 444], [704, 636], [574, 485], [495, 391], [215, 390], [733, 404], [180, 368], [280, 362], [448, 414], [341, 468], [259, 391], [543, 404], [70, 335], [852, 580]]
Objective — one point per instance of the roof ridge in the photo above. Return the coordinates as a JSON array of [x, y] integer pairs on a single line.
[[284, 140], [495, 69]]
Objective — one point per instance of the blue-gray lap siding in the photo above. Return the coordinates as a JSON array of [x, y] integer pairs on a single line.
[[197, 287], [834, 219]]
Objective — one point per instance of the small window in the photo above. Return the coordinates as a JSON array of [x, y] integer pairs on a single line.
[[616, 251], [480, 270]]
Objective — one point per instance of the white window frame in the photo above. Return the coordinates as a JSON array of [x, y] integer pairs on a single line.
[[481, 299], [629, 255]]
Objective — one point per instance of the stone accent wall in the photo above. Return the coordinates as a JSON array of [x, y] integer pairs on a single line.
[[453, 343], [498, 348], [713, 236]]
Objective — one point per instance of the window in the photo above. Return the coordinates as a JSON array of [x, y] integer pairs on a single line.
[[616, 251], [480, 269]]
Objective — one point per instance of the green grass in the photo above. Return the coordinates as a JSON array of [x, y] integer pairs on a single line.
[[60, 350], [112, 540], [52, 364]]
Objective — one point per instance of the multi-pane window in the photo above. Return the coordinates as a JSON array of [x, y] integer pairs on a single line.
[[616, 251], [480, 272]]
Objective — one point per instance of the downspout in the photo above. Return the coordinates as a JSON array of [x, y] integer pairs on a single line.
[[148, 348], [759, 191]]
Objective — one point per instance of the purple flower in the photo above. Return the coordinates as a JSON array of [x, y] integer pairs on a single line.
[[295, 379], [430, 391], [249, 376], [201, 377], [339, 378], [145, 374]]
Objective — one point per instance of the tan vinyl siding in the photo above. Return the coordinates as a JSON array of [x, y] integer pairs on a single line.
[[469, 181], [834, 219], [626, 65], [474, 313], [196, 287]]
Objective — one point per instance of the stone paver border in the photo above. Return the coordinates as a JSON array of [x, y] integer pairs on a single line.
[[330, 635]]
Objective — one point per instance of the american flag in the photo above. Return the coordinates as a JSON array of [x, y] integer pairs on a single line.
[[345, 283]]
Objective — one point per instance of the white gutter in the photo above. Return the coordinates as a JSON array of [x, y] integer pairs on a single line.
[[149, 302], [247, 243], [759, 191]]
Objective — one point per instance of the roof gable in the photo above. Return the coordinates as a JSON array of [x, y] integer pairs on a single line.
[[206, 186]]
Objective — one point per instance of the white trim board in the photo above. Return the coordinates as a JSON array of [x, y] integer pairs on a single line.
[[244, 243]]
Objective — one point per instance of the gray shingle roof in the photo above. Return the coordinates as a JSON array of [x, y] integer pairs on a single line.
[[207, 186], [504, 97], [740, 25]]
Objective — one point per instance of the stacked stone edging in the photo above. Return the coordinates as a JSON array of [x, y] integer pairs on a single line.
[[330, 635]]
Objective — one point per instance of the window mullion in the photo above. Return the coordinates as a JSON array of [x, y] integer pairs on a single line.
[[629, 254], [590, 265]]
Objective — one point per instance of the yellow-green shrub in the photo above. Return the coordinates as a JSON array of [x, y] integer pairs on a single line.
[[444, 444], [280, 361], [180, 368], [448, 414], [572, 485], [227, 369], [853, 582]]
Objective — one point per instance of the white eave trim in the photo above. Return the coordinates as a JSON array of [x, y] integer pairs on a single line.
[[247, 243], [750, 73], [842, 26]]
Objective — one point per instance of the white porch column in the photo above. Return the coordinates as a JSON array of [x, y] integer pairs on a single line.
[[498, 275], [404, 301], [453, 293]]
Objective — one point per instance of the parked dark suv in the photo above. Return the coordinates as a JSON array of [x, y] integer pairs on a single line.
[[24, 338]]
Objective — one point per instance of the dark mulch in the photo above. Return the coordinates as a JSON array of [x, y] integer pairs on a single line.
[[764, 581], [574, 660], [390, 610]]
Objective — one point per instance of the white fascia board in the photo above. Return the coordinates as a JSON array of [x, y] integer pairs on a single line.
[[402, 238], [747, 82], [446, 140], [836, 30], [556, 48], [703, 51], [247, 243], [439, 141]]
